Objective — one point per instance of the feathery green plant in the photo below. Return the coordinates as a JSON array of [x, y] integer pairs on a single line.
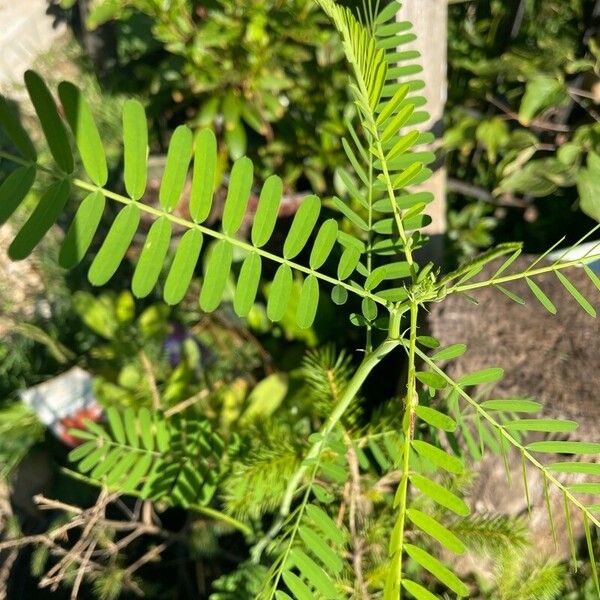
[[375, 262]]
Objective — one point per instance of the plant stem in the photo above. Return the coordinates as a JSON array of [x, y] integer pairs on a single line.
[[400, 500], [368, 364]]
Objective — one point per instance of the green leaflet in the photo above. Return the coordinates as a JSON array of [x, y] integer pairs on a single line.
[[52, 125], [216, 275], [433, 380], [135, 143], [392, 128], [324, 522], [323, 244], [339, 295], [440, 458], [512, 405], [585, 488], [541, 296], [589, 309], [332, 561], [176, 167], [41, 219], [575, 467], [395, 270], [300, 590], [130, 423], [115, 245], [440, 495], [247, 284], [392, 105], [436, 530], [348, 263], [304, 222], [279, 294], [183, 266], [450, 352], [204, 175], [402, 145], [437, 569], [313, 573], [87, 137], [510, 294], [145, 423], [308, 303], [14, 189], [152, 258], [82, 230], [354, 218], [240, 186], [483, 376], [116, 424], [417, 590], [11, 124], [546, 425], [565, 447], [435, 418], [593, 277], [267, 211]]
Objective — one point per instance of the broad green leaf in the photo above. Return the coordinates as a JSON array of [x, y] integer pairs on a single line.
[[279, 294], [183, 266], [85, 132], [300, 590], [304, 222], [321, 550], [82, 230], [308, 303], [11, 124], [417, 590], [247, 284], [115, 245], [348, 262], [589, 309], [267, 211], [52, 125], [440, 495], [313, 573], [41, 219], [512, 405], [565, 447], [440, 458], [391, 271], [116, 424], [135, 146], [546, 425], [541, 296], [435, 418], [392, 105], [575, 467], [437, 569], [483, 376], [216, 275], [240, 186], [323, 244], [450, 352], [436, 530], [176, 168], [14, 189], [152, 258], [204, 175], [542, 92], [324, 522], [432, 380]]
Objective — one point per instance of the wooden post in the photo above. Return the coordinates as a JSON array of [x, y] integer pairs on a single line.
[[430, 21]]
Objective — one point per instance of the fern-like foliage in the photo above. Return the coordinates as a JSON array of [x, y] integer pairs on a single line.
[[180, 461]]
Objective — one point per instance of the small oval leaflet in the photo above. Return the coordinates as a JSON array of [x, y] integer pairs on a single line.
[[182, 268], [204, 175], [115, 245], [348, 263], [267, 211], [85, 131], [41, 219], [135, 146], [324, 243], [82, 230], [52, 125], [302, 226], [240, 186], [339, 295], [279, 294], [247, 284], [176, 167], [216, 275], [152, 258]]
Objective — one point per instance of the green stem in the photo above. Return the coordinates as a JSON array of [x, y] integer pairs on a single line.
[[368, 364], [157, 212]]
